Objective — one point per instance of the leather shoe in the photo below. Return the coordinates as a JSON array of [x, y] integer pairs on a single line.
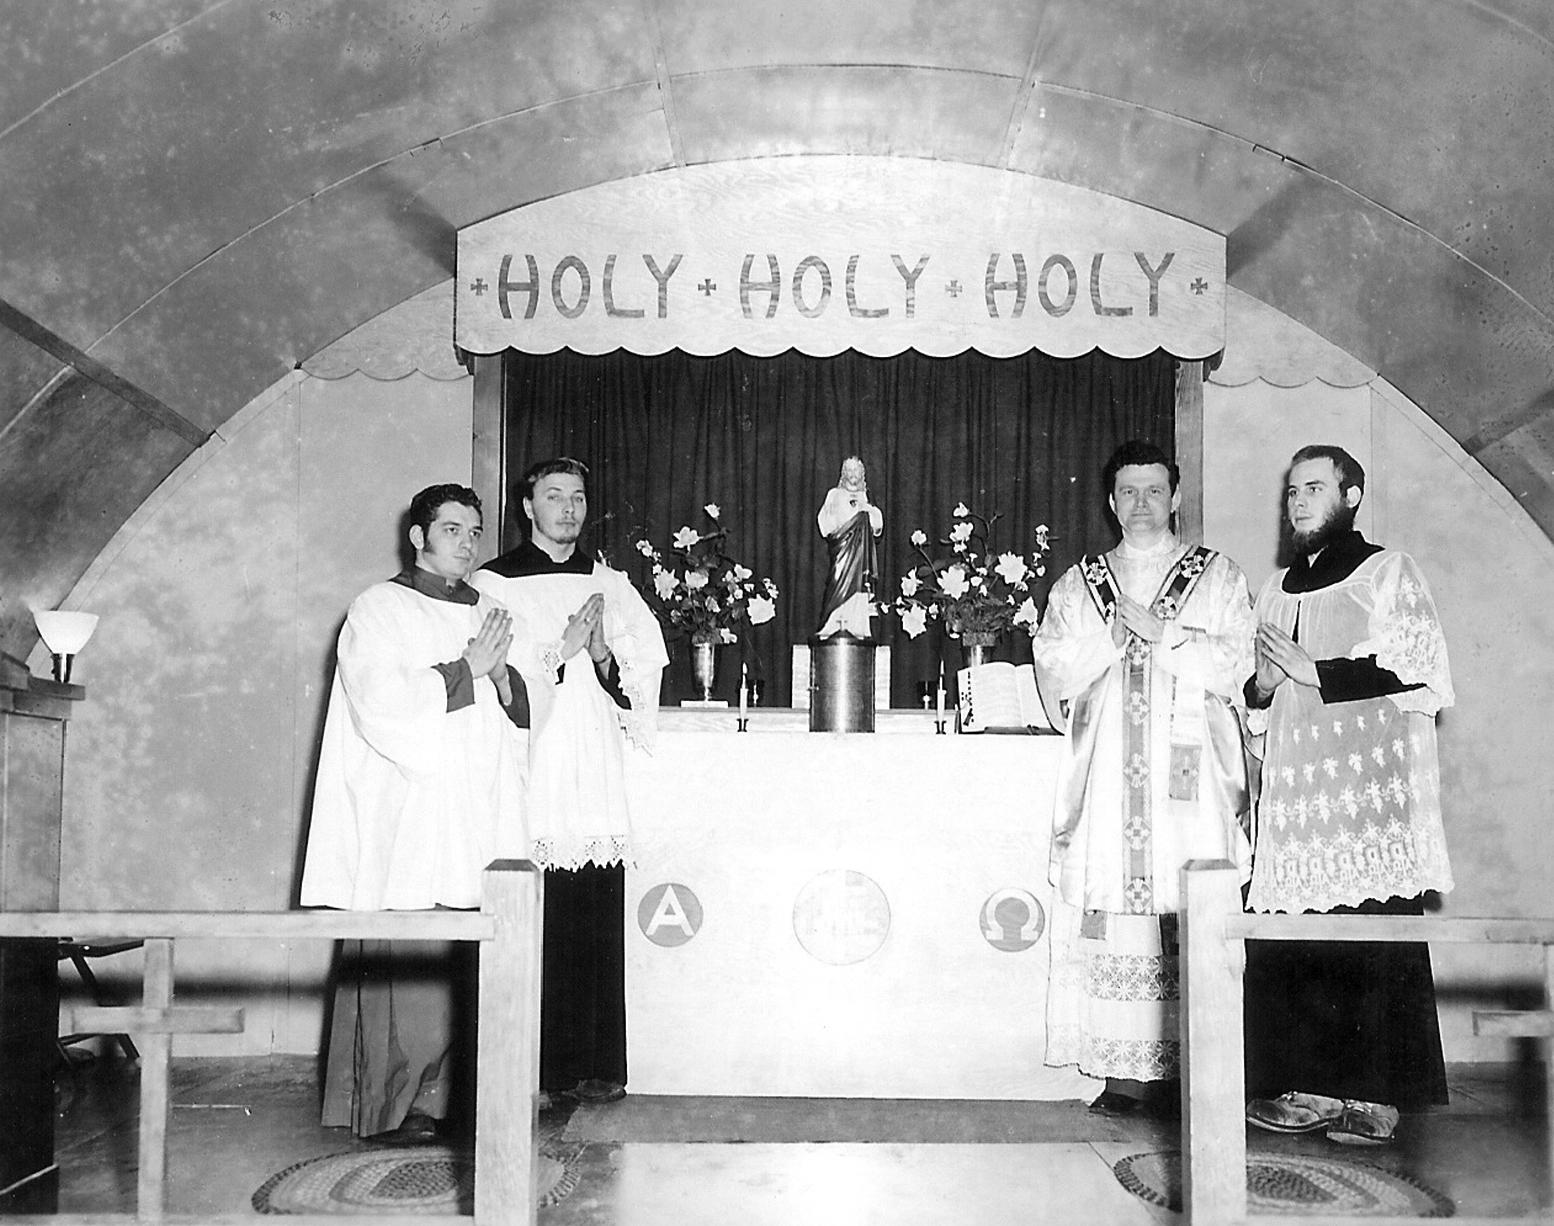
[[418, 1128], [1110, 1102], [1294, 1112], [1364, 1123], [595, 1091]]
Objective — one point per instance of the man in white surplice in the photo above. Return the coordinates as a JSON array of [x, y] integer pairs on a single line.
[[419, 787], [585, 711], [1146, 647]]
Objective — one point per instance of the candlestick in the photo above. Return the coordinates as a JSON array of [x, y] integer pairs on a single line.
[[744, 697], [939, 708]]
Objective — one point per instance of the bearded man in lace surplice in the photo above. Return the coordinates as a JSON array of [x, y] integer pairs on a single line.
[[1146, 647], [1351, 669]]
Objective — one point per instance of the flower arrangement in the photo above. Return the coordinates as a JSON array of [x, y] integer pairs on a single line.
[[976, 594], [706, 593]]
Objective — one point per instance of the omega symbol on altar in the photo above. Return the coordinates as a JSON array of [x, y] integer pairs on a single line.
[[1012, 920], [669, 914]]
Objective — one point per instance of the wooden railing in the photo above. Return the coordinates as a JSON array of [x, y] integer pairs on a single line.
[[508, 929], [1213, 957]]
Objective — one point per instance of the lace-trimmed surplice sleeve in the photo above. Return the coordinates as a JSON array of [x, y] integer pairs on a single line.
[[1405, 636]]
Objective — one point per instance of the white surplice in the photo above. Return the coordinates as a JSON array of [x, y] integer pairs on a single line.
[[1126, 819], [412, 800], [1350, 808], [576, 803]]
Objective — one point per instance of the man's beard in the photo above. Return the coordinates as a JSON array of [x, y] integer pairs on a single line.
[[1339, 521]]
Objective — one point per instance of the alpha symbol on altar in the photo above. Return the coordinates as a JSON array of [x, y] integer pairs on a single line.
[[1012, 920], [669, 914]]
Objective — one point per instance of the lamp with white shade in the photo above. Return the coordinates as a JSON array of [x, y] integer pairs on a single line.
[[64, 633]]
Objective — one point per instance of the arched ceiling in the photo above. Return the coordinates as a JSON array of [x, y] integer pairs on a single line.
[[200, 194]]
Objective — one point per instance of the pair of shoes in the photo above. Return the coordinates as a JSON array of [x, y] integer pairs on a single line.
[[595, 1091], [1110, 1102], [418, 1128], [1363, 1123], [1294, 1112]]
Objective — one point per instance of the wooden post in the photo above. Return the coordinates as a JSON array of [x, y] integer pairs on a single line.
[[1213, 1069], [508, 1064], [1548, 1064], [155, 1091], [1189, 449]]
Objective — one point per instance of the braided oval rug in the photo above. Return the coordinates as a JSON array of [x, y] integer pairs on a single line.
[[1294, 1184]]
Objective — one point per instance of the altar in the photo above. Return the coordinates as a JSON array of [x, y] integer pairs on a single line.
[[840, 914]]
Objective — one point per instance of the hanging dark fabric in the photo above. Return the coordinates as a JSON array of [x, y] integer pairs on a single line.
[[1024, 438]]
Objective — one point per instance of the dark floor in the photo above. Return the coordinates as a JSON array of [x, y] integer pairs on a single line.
[[786, 1162]]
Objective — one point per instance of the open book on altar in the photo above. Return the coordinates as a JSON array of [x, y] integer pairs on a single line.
[[1001, 697]]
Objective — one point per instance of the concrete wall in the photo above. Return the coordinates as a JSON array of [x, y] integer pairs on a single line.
[[190, 762]]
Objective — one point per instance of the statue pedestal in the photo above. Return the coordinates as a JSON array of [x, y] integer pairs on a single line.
[[841, 684]]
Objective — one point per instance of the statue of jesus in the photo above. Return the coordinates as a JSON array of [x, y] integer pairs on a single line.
[[849, 523]]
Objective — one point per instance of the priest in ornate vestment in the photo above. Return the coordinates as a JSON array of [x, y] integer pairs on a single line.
[[419, 787], [594, 699], [1146, 648], [1351, 669]]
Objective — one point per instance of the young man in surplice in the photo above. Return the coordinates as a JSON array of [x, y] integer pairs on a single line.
[[587, 709]]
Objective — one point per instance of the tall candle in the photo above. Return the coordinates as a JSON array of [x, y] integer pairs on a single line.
[[939, 703], [744, 691]]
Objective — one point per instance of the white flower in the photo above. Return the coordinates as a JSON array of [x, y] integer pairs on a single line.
[[961, 509], [1012, 569], [910, 584], [961, 532], [771, 588], [761, 609], [914, 621], [664, 583], [645, 548], [1026, 616], [953, 582], [919, 537], [695, 580], [712, 602], [727, 635], [1041, 535], [741, 572], [712, 509], [685, 538]]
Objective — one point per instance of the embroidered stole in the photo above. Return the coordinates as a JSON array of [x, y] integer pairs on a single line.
[[1137, 662]]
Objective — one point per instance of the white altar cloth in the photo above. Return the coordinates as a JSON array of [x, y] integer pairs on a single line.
[[846, 914]]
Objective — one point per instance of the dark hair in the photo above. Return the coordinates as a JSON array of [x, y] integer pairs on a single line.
[[1349, 470], [549, 468], [1137, 451], [425, 505]]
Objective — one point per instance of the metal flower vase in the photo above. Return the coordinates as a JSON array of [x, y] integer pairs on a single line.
[[977, 648], [704, 667]]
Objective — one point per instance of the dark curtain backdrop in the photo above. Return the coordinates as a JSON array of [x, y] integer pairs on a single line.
[[764, 438]]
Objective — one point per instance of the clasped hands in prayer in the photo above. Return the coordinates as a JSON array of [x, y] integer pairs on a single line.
[[487, 651], [1279, 657], [1135, 618]]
